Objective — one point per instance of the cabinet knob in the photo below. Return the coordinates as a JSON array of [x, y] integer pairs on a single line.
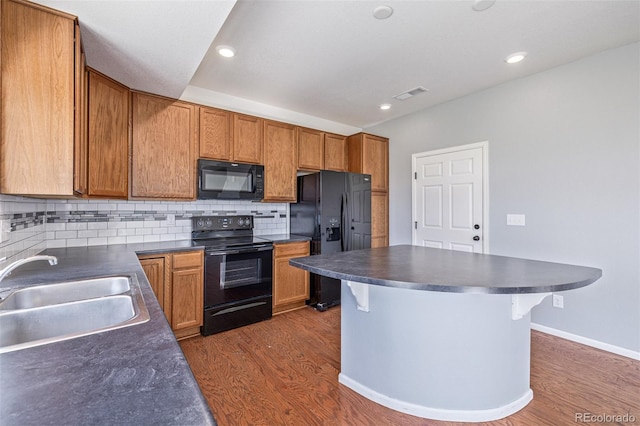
[[476, 238]]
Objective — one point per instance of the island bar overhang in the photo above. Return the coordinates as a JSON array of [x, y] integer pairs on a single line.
[[441, 334]]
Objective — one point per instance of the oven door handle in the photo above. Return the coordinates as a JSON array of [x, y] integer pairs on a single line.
[[249, 250]]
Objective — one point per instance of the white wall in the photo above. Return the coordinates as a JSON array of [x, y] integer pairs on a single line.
[[564, 149]]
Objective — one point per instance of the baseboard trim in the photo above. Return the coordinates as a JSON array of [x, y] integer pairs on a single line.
[[586, 341], [436, 413]]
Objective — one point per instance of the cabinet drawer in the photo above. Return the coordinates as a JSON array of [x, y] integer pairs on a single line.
[[291, 249], [192, 259]]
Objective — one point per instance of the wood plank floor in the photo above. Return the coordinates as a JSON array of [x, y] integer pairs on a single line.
[[285, 372]]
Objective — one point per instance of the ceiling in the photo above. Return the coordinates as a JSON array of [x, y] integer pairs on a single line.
[[333, 60]]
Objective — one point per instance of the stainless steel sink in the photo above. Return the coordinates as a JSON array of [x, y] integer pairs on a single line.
[[68, 310], [45, 295]]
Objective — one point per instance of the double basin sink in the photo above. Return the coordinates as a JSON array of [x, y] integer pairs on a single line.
[[50, 313]]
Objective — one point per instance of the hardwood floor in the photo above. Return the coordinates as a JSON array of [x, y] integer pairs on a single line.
[[285, 372]]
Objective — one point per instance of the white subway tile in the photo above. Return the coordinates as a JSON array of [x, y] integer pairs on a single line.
[[135, 239], [56, 243], [66, 234], [143, 231], [76, 226], [116, 240], [151, 238], [125, 232], [56, 226], [97, 241], [76, 242], [97, 225], [88, 234], [107, 232]]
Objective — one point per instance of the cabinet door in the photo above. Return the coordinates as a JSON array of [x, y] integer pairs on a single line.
[[290, 285], [375, 161], [163, 148], [335, 152], [215, 134], [38, 77], [280, 160], [379, 219], [187, 298], [310, 149], [154, 269], [108, 137], [81, 140], [247, 139]]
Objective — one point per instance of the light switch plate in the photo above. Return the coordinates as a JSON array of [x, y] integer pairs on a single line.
[[515, 220]]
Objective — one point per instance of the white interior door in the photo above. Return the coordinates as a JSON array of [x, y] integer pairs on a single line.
[[448, 198]]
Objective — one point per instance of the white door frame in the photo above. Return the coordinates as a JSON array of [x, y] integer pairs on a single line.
[[485, 186]]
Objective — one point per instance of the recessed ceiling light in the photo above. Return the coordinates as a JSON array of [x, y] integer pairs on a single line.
[[480, 5], [226, 51], [382, 12], [514, 58], [385, 107]]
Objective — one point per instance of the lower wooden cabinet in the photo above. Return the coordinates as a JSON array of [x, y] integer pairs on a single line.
[[177, 281], [290, 285]]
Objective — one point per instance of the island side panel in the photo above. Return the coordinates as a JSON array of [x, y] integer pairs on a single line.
[[448, 356]]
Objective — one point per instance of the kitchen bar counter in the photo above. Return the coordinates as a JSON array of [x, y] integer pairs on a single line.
[[441, 334], [133, 375]]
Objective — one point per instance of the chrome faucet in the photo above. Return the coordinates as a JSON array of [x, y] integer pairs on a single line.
[[7, 271]]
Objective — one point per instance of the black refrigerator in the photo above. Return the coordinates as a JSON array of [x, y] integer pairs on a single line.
[[334, 209]]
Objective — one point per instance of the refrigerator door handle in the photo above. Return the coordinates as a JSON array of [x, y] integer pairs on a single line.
[[344, 219]]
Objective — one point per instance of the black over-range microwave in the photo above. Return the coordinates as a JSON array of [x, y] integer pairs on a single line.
[[218, 180]]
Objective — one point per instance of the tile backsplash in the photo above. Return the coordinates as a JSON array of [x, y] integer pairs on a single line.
[[36, 224], [22, 227]]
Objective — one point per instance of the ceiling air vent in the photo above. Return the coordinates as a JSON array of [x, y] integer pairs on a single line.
[[410, 93]]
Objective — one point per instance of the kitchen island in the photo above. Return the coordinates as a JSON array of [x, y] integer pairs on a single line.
[[441, 334]]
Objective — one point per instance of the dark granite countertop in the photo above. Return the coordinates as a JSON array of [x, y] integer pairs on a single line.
[[284, 238], [422, 268], [133, 375]]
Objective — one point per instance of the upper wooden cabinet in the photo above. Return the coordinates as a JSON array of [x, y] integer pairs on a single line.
[[108, 137], [215, 134], [39, 65], [247, 139], [163, 151], [310, 149], [335, 152], [81, 137], [280, 160], [321, 151], [370, 154]]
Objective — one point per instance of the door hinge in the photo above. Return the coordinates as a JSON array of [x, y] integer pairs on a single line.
[[415, 225]]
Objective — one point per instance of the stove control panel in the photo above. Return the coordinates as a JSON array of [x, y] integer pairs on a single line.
[[221, 223]]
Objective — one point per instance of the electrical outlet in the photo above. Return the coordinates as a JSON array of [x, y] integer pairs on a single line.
[[558, 301], [4, 230], [171, 219]]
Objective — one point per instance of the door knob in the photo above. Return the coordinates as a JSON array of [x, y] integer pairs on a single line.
[[476, 226], [476, 238]]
